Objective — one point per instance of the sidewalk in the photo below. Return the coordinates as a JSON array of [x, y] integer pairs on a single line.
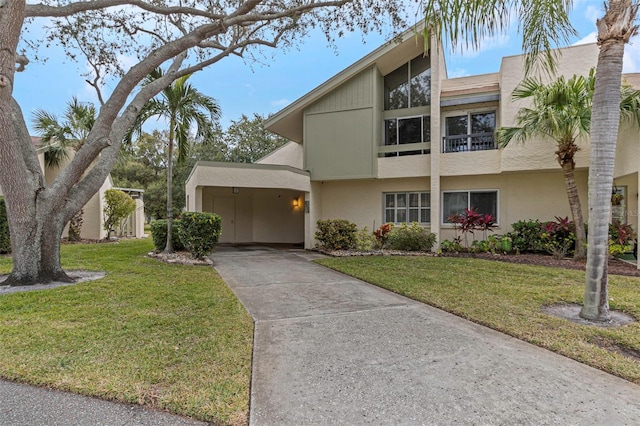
[[330, 349], [23, 405]]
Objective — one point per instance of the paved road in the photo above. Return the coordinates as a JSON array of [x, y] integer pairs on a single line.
[[23, 405], [330, 349]]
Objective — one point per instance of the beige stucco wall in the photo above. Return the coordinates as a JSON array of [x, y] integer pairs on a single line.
[[290, 154], [539, 154], [404, 166], [92, 228], [521, 196], [257, 215], [245, 175], [361, 201], [627, 150]]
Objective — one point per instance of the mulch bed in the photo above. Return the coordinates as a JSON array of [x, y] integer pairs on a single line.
[[616, 266]]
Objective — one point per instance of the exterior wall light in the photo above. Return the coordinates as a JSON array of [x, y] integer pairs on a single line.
[[295, 203], [235, 190]]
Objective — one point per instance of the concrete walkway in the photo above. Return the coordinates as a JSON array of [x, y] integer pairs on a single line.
[[330, 349]]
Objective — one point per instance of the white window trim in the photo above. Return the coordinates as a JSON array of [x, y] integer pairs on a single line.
[[450, 225], [384, 206]]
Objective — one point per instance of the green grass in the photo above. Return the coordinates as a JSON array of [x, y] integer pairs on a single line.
[[170, 337], [509, 297]]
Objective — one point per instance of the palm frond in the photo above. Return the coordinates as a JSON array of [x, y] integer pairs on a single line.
[[543, 24]]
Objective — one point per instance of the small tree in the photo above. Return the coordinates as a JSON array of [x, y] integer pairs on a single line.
[[118, 205]]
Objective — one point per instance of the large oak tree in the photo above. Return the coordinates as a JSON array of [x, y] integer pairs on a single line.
[[182, 36]]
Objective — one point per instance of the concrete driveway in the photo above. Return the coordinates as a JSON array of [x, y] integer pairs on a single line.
[[331, 349]]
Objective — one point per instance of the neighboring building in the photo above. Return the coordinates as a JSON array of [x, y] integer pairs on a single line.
[[93, 211], [393, 139]]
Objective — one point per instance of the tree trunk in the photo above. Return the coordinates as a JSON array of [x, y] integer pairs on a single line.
[[36, 253], [576, 208], [614, 30], [169, 247]]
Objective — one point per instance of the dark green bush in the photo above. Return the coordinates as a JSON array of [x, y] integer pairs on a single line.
[[199, 232], [411, 238], [159, 234], [5, 240], [527, 236], [338, 234]]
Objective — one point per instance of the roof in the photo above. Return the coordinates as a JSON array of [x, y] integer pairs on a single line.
[[288, 121], [483, 83], [633, 79]]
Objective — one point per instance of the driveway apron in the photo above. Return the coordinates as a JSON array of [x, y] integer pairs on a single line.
[[331, 349]]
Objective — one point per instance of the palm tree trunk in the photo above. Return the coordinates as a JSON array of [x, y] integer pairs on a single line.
[[576, 208], [605, 122], [169, 247]]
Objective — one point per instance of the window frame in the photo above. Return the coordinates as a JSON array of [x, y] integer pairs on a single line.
[[443, 222], [397, 136], [406, 82], [407, 207], [468, 113]]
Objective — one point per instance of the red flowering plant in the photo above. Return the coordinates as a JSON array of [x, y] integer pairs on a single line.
[[382, 235], [470, 221]]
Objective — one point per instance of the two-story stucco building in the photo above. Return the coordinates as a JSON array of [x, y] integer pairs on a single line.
[[393, 139]]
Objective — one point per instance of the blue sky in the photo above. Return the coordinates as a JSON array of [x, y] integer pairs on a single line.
[[283, 76]]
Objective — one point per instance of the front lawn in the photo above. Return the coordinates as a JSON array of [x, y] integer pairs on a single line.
[[166, 336], [509, 297]]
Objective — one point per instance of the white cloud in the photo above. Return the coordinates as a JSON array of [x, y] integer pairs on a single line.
[[280, 102], [458, 72], [592, 13], [486, 45], [589, 38]]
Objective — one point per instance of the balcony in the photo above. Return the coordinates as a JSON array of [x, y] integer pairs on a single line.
[[472, 142]]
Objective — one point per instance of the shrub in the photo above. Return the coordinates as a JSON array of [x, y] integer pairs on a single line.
[[365, 241], [5, 240], [451, 246], [621, 238], [411, 238], [381, 235], [471, 221], [199, 232], [337, 234], [118, 205], [159, 234], [559, 237], [526, 236]]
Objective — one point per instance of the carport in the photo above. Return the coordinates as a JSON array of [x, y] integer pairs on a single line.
[[258, 203]]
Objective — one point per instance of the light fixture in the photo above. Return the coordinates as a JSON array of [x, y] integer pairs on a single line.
[[295, 202], [235, 190]]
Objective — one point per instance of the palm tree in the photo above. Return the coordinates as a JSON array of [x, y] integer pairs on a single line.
[[562, 111], [615, 29], [181, 105], [59, 137], [544, 24]]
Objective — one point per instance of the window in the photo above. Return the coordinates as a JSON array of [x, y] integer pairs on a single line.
[[484, 202], [408, 86], [470, 132], [402, 207], [619, 204], [399, 131]]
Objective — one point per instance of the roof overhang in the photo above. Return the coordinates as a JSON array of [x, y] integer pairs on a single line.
[[289, 121], [243, 175]]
